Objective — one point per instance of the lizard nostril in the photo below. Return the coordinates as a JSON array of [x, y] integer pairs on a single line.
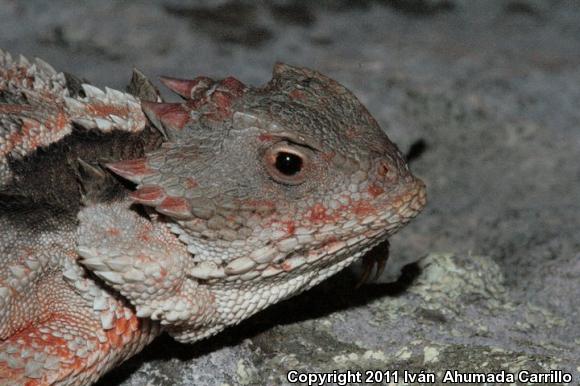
[[383, 169]]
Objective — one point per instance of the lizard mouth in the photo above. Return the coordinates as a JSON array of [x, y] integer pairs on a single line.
[[306, 250]]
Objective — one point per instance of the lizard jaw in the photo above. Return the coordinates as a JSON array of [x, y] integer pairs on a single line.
[[305, 249], [236, 303], [238, 296]]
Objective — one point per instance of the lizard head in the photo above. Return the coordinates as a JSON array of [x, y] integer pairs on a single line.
[[272, 189]]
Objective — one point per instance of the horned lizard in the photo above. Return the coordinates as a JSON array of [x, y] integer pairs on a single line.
[[123, 216]]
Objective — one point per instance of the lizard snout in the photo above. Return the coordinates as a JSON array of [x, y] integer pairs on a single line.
[[396, 190]]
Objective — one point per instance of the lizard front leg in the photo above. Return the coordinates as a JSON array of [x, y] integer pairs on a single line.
[[57, 325], [144, 262]]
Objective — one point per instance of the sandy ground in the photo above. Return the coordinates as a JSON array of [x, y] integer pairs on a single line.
[[486, 96]]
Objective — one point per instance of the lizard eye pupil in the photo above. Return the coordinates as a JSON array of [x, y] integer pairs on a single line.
[[288, 163]]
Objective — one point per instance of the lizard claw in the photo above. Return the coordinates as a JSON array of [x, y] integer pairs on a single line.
[[378, 257], [381, 263], [366, 273]]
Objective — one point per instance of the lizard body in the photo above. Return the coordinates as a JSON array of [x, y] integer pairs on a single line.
[[123, 216]]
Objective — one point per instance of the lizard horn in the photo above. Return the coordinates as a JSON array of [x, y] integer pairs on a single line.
[[176, 207], [187, 88], [133, 170], [151, 195], [166, 115]]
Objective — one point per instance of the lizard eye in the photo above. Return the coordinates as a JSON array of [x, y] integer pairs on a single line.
[[286, 164]]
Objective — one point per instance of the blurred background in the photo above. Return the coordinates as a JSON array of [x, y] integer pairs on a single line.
[[483, 96]]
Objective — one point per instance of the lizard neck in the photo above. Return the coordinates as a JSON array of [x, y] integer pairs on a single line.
[[50, 176]]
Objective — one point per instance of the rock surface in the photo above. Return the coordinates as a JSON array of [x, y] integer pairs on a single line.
[[485, 97]]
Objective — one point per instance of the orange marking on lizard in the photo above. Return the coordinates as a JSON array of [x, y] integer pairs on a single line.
[[122, 329], [375, 190], [113, 232], [59, 122], [12, 141], [148, 195], [352, 133], [121, 326], [131, 168], [143, 233], [27, 126], [223, 102], [330, 240], [175, 207], [177, 119], [319, 213], [102, 110], [191, 183], [297, 94], [285, 266], [56, 346], [362, 208], [142, 258], [179, 86], [289, 227], [13, 109], [328, 156], [258, 203], [114, 340], [265, 137], [233, 85]]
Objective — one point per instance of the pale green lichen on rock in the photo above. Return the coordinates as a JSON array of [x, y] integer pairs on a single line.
[[450, 277], [431, 354], [246, 372]]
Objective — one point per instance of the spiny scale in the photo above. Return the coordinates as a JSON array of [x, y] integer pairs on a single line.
[[134, 169], [175, 207], [187, 88], [167, 115], [148, 195]]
